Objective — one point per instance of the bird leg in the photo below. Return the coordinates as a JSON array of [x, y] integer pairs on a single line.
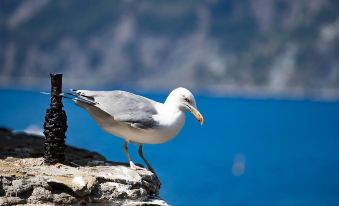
[[141, 154], [145, 160], [131, 164]]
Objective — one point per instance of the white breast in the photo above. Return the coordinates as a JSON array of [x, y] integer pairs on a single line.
[[170, 121]]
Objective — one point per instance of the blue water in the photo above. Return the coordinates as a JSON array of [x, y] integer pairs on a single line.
[[248, 152]]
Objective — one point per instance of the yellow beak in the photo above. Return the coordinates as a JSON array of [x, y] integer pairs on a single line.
[[197, 115]]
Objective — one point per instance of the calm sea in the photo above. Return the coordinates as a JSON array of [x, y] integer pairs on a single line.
[[248, 152]]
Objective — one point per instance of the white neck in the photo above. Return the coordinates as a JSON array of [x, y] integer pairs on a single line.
[[171, 119]]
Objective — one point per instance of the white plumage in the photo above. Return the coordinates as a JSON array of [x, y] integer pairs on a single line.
[[138, 119]]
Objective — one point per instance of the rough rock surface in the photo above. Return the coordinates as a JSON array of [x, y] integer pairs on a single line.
[[87, 179]]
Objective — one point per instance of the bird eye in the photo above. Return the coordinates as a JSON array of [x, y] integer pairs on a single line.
[[187, 100]]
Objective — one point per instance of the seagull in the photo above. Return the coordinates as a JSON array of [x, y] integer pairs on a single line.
[[137, 119]]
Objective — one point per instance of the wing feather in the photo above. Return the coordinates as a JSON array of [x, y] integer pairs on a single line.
[[135, 110]]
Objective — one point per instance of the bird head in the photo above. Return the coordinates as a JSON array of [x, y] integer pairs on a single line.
[[185, 101]]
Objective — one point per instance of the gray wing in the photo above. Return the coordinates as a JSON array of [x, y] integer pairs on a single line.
[[123, 106]]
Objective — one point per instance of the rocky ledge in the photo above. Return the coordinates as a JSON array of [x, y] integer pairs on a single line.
[[87, 178]]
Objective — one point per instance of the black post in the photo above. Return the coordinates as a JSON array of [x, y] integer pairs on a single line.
[[55, 125]]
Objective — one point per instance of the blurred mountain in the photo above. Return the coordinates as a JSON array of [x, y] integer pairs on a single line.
[[245, 47]]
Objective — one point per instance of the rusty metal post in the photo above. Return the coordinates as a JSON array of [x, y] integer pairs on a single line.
[[55, 125]]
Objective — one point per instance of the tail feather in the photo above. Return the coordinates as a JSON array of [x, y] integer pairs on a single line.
[[82, 96], [75, 97], [82, 93]]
